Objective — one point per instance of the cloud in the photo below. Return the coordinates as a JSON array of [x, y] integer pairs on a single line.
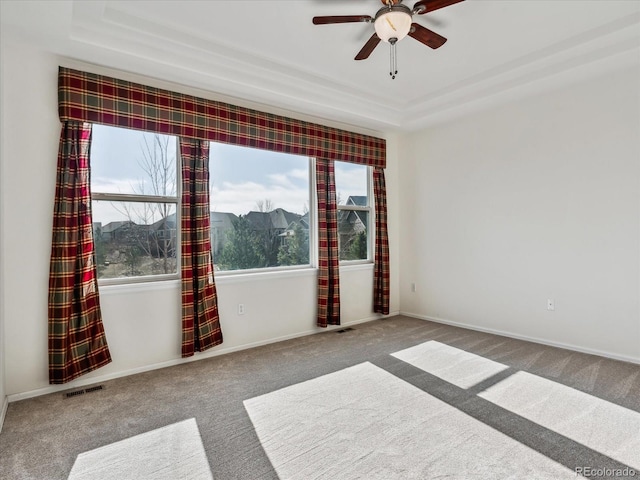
[[350, 180], [300, 174], [280, 179]]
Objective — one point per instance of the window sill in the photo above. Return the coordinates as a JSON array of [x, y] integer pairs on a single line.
[[241, 277], [139, 286], [354, 266], [227, 278]]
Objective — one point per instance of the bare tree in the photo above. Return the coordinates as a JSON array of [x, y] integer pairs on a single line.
[[265, 206], [155, 234]]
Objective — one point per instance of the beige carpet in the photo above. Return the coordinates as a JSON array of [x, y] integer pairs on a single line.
[[509, 399], [596, 423], [364, 423], [451, 364], [174, 452]]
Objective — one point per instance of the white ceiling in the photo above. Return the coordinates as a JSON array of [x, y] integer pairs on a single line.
[[268, 51]]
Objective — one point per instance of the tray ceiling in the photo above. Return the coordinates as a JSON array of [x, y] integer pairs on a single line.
[[269, 52]]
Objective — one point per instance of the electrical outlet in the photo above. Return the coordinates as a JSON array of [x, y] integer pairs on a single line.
[[241, 309], [551, 304]]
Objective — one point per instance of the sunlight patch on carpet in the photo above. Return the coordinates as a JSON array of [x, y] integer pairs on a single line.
[[363, 422], [591, 421], [174, 452], [451, 364]]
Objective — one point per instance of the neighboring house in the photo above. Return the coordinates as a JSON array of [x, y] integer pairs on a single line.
[[277, 222], [116, 231], [158, 239], [162, 237], [221, 224], [277, 219], [353, 221], [97, 231], [356, 201], [303, 222]]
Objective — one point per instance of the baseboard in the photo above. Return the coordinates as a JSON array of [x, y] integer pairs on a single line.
[[83, 382], [3, 411], [542, 341]]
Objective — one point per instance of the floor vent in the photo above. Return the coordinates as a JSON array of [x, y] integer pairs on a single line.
[[342, 330], [82, 391], [74, 393]]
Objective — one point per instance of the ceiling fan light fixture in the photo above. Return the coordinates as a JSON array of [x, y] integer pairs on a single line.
[[393, 22]]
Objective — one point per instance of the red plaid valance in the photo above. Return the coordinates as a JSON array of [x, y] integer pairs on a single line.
[[99, 99]]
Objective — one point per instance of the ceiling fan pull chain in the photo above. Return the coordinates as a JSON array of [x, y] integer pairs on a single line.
[[393, 59]]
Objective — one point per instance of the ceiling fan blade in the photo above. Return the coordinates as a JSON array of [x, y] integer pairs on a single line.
[[368, 47], [341, 19], [425, 6], [426, 36]]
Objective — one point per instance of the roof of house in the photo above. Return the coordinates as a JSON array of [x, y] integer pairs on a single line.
[[277, 219], [222, 219], [357, 200], [353, 217], [113, 226]]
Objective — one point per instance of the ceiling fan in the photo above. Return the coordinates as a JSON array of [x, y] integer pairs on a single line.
[[392, 23]]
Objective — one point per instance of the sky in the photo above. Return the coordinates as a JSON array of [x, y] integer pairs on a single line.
[[240, 177]]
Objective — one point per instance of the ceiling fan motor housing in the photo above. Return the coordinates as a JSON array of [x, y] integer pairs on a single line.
[[393, 23]]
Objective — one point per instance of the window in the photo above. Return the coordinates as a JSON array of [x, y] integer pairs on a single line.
[[260, 214], [134, 203], [260, 207], [354, 210]]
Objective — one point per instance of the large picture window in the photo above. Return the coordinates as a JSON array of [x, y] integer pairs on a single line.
[[354, 211], [134, 204], [260, 208]]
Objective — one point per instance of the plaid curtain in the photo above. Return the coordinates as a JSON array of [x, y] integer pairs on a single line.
[[200, 319], [77, 342], [381, 262], [328, 259]]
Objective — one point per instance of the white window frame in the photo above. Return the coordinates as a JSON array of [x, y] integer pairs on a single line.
[[313, 235]]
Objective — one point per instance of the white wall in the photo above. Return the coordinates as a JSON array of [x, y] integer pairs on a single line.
[[3, 403], [142, 322], [532, 200]]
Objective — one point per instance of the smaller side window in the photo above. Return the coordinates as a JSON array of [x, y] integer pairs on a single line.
[[354, 210]]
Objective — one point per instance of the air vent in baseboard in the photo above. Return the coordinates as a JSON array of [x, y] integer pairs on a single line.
[[75, 393], [82, 391], [94, 389], [342, 330]]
